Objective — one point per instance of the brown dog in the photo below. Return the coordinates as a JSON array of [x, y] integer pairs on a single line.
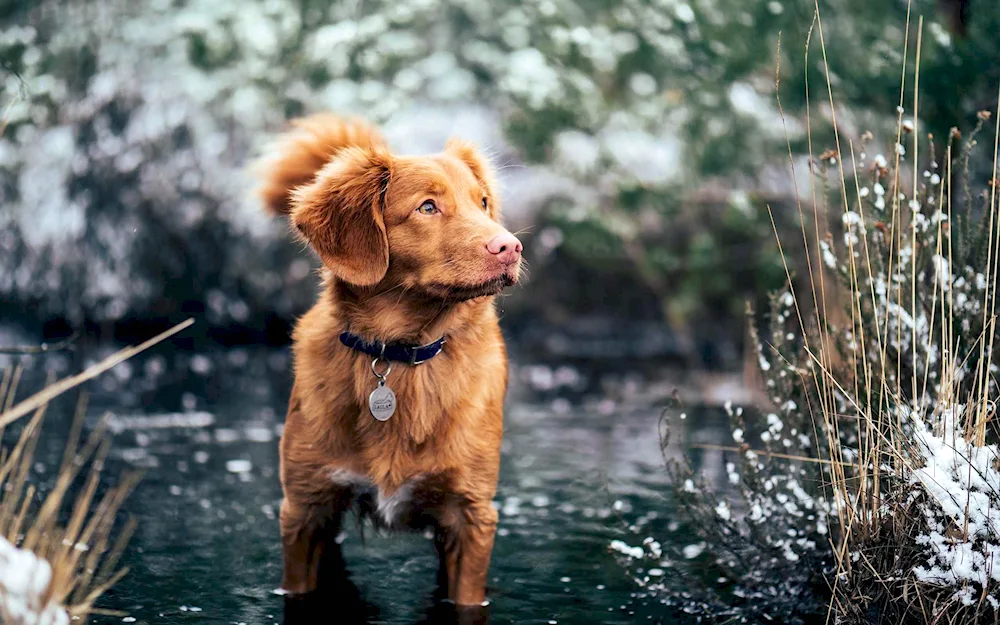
[[413, 254]]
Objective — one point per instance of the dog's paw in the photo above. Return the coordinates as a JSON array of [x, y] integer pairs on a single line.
[[292, 590]]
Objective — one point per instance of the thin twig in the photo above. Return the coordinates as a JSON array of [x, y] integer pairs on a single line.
[[64, 344], [771, 454]]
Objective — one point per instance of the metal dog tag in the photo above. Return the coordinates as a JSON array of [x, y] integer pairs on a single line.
[[382, 402]]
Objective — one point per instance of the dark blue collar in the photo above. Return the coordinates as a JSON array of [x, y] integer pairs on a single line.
[[399, 352]]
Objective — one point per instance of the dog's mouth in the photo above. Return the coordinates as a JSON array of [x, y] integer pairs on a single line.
[[461, 293]]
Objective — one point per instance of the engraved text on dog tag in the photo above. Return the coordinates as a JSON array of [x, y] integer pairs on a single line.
[[382, 402]]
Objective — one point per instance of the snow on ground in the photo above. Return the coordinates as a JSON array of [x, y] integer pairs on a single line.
[[24, 581]]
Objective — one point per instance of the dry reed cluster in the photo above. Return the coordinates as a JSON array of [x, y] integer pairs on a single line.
[[59, 549], [868, 490]]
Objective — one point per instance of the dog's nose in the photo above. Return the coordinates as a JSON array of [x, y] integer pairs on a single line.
[[506, 248]]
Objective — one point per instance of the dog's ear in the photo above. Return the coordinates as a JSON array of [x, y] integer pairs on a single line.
[[296, 156], [340, 214], [480, 167]]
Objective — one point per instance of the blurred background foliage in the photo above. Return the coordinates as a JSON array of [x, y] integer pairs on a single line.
[[639, 142]]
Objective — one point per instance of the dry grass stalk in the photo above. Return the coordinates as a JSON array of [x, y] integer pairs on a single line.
[[52, 391]]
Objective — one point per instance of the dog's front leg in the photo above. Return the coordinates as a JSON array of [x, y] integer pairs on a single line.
[[474, 545], [305, 536]]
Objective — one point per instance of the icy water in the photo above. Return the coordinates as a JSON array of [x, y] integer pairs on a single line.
[[581, 459]]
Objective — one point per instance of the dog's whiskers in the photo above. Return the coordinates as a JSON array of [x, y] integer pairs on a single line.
[[389, 290], [400, 298], [434, 317]]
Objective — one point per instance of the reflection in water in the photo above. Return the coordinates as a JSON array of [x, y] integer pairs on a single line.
[[581, 461], [339, 600]]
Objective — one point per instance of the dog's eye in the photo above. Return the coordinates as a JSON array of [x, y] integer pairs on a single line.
[[428, 208], [484, 202]]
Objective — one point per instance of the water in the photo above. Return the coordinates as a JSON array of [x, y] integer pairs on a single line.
[[581, 458]]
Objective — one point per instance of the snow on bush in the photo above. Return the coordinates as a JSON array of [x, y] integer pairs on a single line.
[[963, 483]]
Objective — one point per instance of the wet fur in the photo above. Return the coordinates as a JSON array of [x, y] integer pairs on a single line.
[[392, 275]]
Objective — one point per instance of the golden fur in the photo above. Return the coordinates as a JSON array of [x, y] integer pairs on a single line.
[[392, 274]]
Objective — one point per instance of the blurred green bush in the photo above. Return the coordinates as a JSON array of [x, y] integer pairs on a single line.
[[654, 121]]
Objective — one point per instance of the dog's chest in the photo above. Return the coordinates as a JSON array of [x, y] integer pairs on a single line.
[[415, 504]]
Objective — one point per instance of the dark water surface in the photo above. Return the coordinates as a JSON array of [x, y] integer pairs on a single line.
[[581, 459]]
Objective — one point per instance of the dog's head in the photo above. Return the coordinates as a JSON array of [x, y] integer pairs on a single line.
[[427, 223]]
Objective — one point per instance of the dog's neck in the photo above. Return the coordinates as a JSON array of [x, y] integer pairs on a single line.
[[392, 315]]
